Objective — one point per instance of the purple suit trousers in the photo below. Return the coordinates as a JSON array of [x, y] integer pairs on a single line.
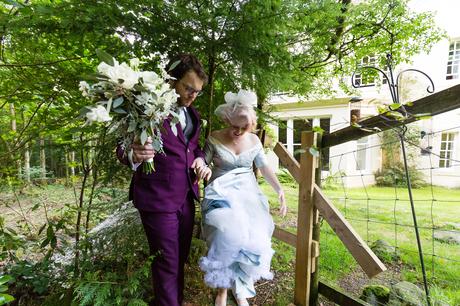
[[165, 200]]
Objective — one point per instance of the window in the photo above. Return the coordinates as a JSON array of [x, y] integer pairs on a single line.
[[325, 124], [361, 153], [387, 72], [453, 61], [282, 132], [282, 135], [446, 150], [363, 78], [300, 125]]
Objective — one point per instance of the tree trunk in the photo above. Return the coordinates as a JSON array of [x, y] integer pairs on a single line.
[[42, 159], [66, 165], [72, 163], [212, 70], [14, 130], [27, 163], [90, 157]]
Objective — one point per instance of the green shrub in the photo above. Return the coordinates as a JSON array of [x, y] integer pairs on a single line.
[[286, 178], [332, 182], [395, 175]]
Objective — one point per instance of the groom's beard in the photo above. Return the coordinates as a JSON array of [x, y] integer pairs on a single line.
[[185, 102]]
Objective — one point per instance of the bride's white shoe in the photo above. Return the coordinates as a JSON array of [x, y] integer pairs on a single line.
[[240, 302]]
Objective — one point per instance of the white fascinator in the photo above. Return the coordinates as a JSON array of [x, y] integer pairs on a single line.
[[243, 100], [243, 97]]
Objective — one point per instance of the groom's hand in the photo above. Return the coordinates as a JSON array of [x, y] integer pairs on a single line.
[[142, 152], [201, 169]]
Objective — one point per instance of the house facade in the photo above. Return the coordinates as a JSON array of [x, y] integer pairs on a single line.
[[355, 162]]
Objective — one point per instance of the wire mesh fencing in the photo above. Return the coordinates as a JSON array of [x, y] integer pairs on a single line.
[[366, 182]]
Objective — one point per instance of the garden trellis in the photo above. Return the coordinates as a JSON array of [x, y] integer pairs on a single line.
[[311, 199]]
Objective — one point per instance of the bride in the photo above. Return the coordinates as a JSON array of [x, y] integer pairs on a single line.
[[237, 224]]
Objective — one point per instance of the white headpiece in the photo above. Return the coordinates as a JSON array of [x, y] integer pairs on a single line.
[[243, 99]]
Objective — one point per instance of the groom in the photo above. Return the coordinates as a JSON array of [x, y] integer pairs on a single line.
[[165, 198]]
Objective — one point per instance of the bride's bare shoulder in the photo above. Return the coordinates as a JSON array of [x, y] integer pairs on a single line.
[[254, 138]]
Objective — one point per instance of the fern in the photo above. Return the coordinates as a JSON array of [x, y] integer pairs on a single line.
[[137, 302]]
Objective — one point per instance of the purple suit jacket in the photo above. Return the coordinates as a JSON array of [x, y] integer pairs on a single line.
[[165, 189]]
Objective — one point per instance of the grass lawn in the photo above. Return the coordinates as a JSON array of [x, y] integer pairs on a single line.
[[375, 213], [385, 213]]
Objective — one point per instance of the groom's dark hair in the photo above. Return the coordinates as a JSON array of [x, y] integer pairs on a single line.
[[183, 63]]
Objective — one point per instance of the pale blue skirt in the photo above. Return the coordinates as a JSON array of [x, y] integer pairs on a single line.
[[237, 227]]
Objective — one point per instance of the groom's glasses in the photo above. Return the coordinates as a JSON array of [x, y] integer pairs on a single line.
[[190, 90]]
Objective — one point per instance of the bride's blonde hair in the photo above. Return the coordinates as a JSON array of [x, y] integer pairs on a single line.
[[240, 105]]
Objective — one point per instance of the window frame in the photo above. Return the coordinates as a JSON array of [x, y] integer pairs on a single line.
[[362, 146], [453, 60], [368, 60], [447, 154]]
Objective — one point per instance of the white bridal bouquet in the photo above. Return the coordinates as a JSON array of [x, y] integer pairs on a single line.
[[133, 103]]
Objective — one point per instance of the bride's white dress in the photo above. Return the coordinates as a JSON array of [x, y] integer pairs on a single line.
[[237, 224]]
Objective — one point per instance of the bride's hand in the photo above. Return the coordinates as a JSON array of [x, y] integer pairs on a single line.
[[202, 170], [283, 207]]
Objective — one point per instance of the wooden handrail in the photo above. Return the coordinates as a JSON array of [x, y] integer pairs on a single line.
[[435, 104]]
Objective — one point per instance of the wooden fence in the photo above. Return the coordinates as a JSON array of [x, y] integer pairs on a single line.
[[312, 202]]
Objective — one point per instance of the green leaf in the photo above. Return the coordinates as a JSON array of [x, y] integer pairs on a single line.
[[118, 101], [41, 229], [5, 298], [4, 279], [318, 130], [95, 77], [143, 136], [394, 106], [382, 109], [105, 57], [84, 110], [423, 116], [314, 151], [299, 151], [367, 130], [410, 104], [14, 3], [132, 126], [44, 243], [109, 105], [174, 65], [119, 111], [3, 288], [396, 115]]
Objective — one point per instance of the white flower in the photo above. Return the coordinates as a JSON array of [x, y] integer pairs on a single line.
[[120, 74], [103, 67], [165, 75], [98, 114], [170, 97], [151, 79], [84, 88], [144, 98], [150, 110], [134, 63]]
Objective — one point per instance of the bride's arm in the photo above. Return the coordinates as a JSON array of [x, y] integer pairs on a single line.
[[271, 178]]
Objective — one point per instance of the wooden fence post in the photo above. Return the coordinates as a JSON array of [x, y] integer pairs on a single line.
[[316, 233], [305, 220]]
